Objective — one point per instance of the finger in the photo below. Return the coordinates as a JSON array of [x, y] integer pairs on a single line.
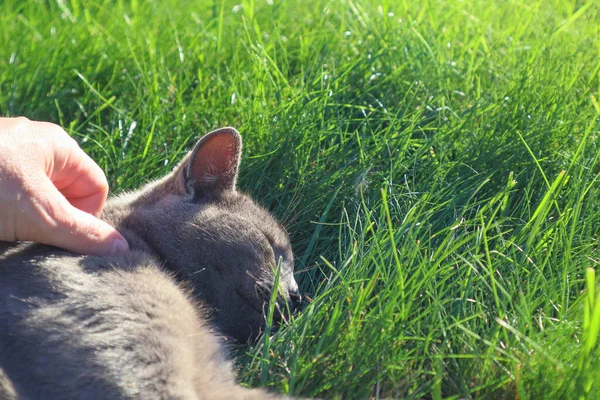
[[80, 180], [67, 227], [85, 234], [90, 204]]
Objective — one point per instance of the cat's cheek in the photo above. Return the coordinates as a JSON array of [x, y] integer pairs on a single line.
[[242, 325]]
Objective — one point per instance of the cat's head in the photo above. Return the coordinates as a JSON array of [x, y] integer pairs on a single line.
[[213, 236]]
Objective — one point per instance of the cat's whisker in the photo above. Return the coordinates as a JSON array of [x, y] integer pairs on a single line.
[[305, 269], [251, 275]]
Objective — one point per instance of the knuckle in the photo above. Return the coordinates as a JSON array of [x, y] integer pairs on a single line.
[[22, 124], [22, 120], [53, 129]]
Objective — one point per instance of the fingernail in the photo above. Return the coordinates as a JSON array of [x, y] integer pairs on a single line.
[[120, 246]]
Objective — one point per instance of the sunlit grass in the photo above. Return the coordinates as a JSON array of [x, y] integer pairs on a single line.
[[436, 164]]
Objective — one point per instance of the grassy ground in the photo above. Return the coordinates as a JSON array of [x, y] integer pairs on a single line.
[[436, 163]]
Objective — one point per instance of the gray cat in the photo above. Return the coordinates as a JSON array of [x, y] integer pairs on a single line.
[[137, 326]]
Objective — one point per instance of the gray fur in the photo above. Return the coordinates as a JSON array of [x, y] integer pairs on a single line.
[[149, 324]]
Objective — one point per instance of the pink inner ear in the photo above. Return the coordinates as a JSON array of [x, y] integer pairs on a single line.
[[215, 162]]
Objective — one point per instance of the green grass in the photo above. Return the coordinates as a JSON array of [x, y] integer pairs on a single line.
[[436, 164]]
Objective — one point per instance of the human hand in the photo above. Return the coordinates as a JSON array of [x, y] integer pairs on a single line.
[[51, 192]]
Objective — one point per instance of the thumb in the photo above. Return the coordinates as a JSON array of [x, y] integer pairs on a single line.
[[83, 233], [75, 230]]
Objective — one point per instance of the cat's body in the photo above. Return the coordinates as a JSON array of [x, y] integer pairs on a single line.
[[136, 326]]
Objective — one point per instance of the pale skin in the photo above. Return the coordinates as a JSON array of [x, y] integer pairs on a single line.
[[51, 192]]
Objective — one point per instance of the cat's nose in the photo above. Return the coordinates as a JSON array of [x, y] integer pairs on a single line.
[[295, 301]]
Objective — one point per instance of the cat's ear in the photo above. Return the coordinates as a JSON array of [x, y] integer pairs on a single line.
[[212, 166]]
